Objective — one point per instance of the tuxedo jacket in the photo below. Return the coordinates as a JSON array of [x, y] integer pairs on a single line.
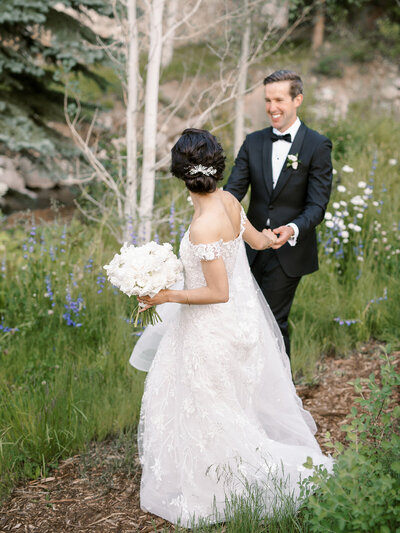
[[300, 195]]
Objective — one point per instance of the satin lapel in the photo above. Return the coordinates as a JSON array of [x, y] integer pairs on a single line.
[[267, 160], [286, 172]]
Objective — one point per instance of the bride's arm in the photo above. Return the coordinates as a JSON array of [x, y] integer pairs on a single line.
[[258, 240], [216, 291], [217, 286]]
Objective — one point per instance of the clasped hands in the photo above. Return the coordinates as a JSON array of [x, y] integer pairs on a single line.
[[278, 236]]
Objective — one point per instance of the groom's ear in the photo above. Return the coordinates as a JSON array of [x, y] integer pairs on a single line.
[[298, 100]]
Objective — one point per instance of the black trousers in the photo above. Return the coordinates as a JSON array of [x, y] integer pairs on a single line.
[[278, 289]]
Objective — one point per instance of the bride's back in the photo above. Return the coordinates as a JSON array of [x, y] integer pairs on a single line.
[[218, 218]]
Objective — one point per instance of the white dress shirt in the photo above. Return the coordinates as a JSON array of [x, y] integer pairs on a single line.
[[280, 151]]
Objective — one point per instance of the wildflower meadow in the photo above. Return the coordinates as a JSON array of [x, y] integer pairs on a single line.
[[66, 334]]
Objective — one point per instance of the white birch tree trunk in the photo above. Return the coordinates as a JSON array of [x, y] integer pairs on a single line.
[[150, 119], [130, 206], [170, 23], [242, 82]]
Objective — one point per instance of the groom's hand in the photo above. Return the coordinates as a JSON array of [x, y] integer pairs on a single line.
[[284, 233]]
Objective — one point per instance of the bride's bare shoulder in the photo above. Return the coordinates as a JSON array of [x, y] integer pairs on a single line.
[[231, 202], [206, 228]]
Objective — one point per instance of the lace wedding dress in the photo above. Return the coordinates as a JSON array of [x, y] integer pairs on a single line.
[[220, 414]]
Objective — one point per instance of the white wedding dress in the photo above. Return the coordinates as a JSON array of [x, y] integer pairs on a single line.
[[220, 414]]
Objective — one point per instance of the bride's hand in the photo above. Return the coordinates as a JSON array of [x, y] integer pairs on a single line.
[[272, 238], [160, 298]]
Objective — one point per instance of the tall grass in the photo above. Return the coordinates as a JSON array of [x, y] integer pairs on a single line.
[[65, 341], [354, 294]]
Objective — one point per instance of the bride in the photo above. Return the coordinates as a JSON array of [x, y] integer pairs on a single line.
[[220, 414]]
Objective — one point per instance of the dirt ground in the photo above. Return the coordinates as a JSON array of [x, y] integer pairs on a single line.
[[98, 491]]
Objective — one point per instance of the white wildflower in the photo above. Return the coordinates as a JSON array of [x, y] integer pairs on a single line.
[[336, 205], [362, 184], [392, 162], [346, 168], [329, 224], [341, 188]]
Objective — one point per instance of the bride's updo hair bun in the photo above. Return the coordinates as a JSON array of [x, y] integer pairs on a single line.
[[198, 159]]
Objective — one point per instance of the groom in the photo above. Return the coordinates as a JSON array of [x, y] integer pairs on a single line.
[[288, 167]]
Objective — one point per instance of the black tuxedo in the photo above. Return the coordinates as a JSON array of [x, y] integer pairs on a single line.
[[300, 196]]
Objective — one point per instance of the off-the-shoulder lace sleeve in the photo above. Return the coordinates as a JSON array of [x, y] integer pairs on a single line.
[[207, 252]]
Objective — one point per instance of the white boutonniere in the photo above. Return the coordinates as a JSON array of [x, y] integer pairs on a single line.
[[293, 161]]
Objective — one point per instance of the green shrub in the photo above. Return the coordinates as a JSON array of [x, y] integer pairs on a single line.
[[364, 492], [330, 66]]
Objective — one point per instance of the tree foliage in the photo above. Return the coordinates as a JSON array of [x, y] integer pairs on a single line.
[[41, 41]]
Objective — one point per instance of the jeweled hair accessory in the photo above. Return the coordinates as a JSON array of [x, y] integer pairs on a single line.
[[207, 171]]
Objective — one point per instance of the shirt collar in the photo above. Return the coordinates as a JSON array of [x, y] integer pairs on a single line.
[[292, 130]]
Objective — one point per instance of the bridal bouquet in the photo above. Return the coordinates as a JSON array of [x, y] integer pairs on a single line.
[[144, 271]]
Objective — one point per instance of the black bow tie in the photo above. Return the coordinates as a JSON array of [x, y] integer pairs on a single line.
[[287, 137]]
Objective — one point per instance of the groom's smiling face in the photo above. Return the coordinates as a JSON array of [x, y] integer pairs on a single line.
[[280, 106]]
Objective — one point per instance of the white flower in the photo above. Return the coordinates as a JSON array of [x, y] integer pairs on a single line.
[[368, 191], [3, 188], [357, 200], [341, 188], [292, 161], [346, 168], [336, 205], [362, 184], [334, 172], [356, 228], [144, 270], [359, 215], [345, 234], [343, 203], [375, 204], [328, 216], [50, 312], [329, 224], [392, 162]]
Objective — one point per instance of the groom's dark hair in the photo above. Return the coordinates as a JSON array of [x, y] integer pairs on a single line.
[[199, 160], [296, 85]]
